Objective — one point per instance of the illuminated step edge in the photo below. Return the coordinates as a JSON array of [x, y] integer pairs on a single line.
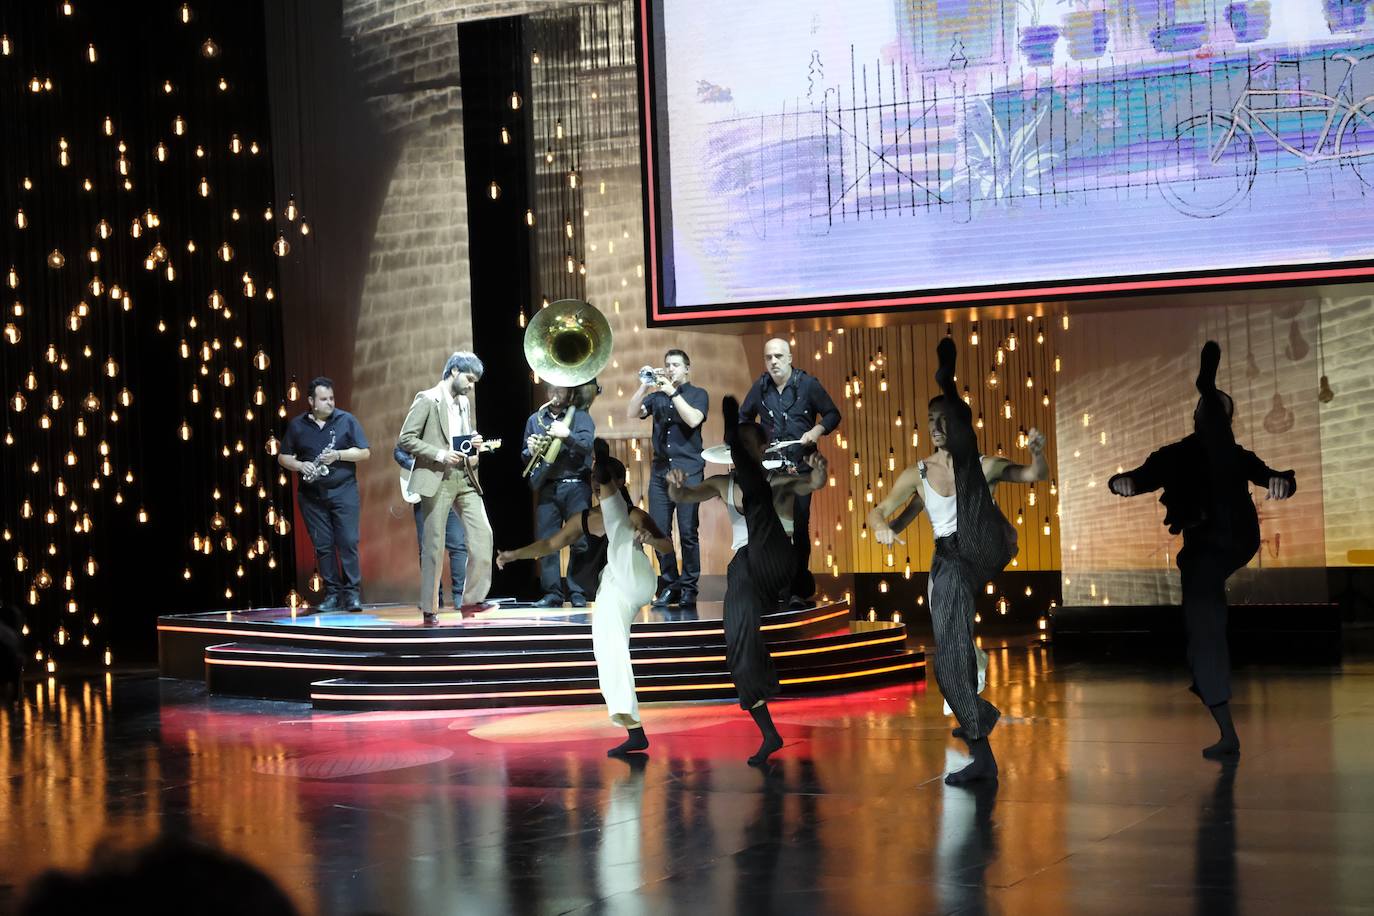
[[184, 638], [342, 693], [273, 671]]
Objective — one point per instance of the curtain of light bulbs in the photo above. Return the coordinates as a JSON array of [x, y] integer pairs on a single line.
[[141, 330]]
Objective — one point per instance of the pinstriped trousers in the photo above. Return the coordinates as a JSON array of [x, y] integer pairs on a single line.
[[963, 562], [953, 585], [757, 573]]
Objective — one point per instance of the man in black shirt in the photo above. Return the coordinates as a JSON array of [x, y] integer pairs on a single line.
[[323, 446], [566, 489], [679, 409], [792, 405]]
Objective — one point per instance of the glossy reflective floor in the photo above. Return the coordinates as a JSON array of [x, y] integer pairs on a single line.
[[1104, 804]]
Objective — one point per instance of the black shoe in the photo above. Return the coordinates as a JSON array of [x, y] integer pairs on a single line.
[[578, 601], [428, 619], [549, 601], [329, 605], [797, 603], [688, 604], [666, 597], [352, 603]]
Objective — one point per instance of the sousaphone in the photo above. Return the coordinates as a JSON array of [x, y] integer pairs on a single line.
[[566, 344]]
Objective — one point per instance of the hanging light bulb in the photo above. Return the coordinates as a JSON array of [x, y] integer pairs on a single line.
[[281, 247]]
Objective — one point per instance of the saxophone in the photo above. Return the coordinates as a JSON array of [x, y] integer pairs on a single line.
[[321, 470]]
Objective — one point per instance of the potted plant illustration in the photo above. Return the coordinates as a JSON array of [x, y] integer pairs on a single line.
[[1037, 41], [1249, 20], [1345, 15], [1171, 36], [1085, 29]]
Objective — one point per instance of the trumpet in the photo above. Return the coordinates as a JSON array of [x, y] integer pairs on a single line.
[[653, 376]]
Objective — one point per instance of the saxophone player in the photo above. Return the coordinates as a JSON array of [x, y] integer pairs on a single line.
[[562, 487], [328, 490]]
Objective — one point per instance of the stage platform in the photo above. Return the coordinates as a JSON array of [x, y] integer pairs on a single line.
[[518, 655]]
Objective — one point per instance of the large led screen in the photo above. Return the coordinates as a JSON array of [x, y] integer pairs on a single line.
[[820, 156]]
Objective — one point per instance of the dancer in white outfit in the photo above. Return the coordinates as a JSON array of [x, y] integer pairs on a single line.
[[624, 581]]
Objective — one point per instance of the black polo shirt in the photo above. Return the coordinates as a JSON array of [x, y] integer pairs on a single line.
[[675, 443], [305, 439], [785, 415]]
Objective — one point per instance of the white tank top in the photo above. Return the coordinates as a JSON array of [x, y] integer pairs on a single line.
[[738, 528], [942, 510], [737, 525]]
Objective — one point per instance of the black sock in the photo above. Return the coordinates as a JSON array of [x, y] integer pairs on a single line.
[[771, 739], [635, 741], [1229, 745]]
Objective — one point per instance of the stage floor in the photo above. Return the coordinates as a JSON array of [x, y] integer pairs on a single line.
[[1104, 804]]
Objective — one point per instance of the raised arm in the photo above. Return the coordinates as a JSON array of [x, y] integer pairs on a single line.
[[679, 491], [636, 409], [811, 482], [1280, 484], [646, 532], [1008, 471], [1148, 477], [563, 537], [905, 492]]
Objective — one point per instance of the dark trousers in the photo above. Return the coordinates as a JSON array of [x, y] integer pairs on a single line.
[[1204, 572], [560, 500], [953, 585], [752, 582], [662, 509], [456, 543], [331, 519], [803, 583]]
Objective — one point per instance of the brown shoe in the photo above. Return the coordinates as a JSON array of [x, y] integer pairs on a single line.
[[429, 618], [477, 607]]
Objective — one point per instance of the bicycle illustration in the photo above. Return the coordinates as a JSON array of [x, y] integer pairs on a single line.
[[1214, 157]]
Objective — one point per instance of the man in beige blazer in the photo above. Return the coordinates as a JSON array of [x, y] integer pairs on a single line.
[[442, 479]]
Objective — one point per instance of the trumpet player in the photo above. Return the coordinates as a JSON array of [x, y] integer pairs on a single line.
[[328, 490], [679, 409], [563, 489]]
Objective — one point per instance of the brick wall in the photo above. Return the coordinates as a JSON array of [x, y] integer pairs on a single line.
[[1127, 388], [415, 300]]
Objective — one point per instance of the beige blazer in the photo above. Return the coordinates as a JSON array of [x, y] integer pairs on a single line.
[[425, 435]]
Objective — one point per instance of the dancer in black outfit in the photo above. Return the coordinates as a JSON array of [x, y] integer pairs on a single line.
[[982, 544], [1205, 477], [763, 564]]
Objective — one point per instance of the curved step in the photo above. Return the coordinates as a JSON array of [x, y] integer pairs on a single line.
[[266, 670], [342, 693]]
